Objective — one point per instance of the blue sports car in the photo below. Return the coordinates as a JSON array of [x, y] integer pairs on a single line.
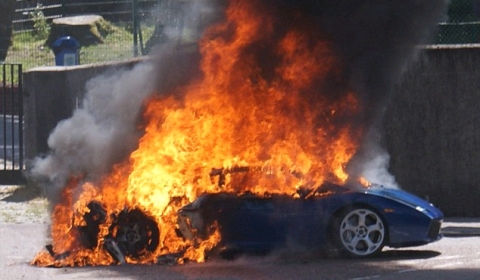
[[353, 221], [356, 223]]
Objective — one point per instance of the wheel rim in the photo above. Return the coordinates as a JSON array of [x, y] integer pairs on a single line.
[[133, 237], [362, 232], [135, 233]]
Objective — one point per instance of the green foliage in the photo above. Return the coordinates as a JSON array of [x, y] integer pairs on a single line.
[[40, 24], [106, 28]]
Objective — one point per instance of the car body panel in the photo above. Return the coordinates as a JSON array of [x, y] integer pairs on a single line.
[[261, 223]]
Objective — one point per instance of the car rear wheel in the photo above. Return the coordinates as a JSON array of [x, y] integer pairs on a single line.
[[359, 232]]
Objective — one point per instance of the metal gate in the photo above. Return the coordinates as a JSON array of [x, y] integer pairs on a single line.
[[11, 125]]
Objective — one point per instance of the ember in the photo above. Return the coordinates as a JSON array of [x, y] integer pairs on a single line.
[[272, 113]]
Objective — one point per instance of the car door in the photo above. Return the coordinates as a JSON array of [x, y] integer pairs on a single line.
[[253, 223]]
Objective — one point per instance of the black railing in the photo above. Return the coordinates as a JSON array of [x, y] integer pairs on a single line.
[[11, 123]]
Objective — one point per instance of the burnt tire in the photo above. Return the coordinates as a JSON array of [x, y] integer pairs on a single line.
[[359, 232], [93, 219], [134, 233]]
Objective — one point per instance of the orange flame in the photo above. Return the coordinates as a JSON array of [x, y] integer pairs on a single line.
[[272, 101]]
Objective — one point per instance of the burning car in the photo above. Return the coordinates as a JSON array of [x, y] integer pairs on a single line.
[[249, 150], [354, 222], [357, 223]]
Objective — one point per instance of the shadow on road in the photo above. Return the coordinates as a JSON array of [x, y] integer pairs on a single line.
[[407, 254], [268, 268]]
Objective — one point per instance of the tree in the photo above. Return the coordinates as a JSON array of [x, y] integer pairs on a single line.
[[7, 12]]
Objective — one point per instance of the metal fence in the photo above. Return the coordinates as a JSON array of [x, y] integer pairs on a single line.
[[135, 25], [11, 124], [458, 33], [462, 25], [131, 27], [127, 27]]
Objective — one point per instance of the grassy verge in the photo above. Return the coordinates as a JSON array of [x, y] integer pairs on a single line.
[[30, 50]]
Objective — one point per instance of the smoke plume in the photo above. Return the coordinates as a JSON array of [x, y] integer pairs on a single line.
[[378, 40], [105, 130], [102, 132]]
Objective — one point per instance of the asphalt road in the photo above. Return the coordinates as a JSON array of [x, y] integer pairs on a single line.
[[457, 256]]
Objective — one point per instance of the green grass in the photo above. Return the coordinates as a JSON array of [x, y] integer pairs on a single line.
[[118, 46], [31, 51]]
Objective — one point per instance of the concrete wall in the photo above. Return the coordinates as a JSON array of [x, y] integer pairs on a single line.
[[51, 95], [433, 129]]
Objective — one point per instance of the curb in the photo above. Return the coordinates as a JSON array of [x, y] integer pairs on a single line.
[[461, 227], [453, 231]]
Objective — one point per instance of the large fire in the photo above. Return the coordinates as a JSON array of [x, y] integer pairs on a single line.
[[272, 98]]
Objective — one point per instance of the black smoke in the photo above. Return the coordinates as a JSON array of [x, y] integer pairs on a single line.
[[376, 39]]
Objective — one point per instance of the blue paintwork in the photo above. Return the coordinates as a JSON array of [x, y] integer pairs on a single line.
[[253, 223]]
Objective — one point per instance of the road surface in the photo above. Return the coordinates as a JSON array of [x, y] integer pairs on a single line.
[[457, 256]]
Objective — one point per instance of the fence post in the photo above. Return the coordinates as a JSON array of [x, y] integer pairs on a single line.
[[135, 27], [20, 116], [63, 8]]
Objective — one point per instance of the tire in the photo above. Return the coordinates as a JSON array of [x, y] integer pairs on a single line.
[[93, 219], [135, 234], [359, 233]]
